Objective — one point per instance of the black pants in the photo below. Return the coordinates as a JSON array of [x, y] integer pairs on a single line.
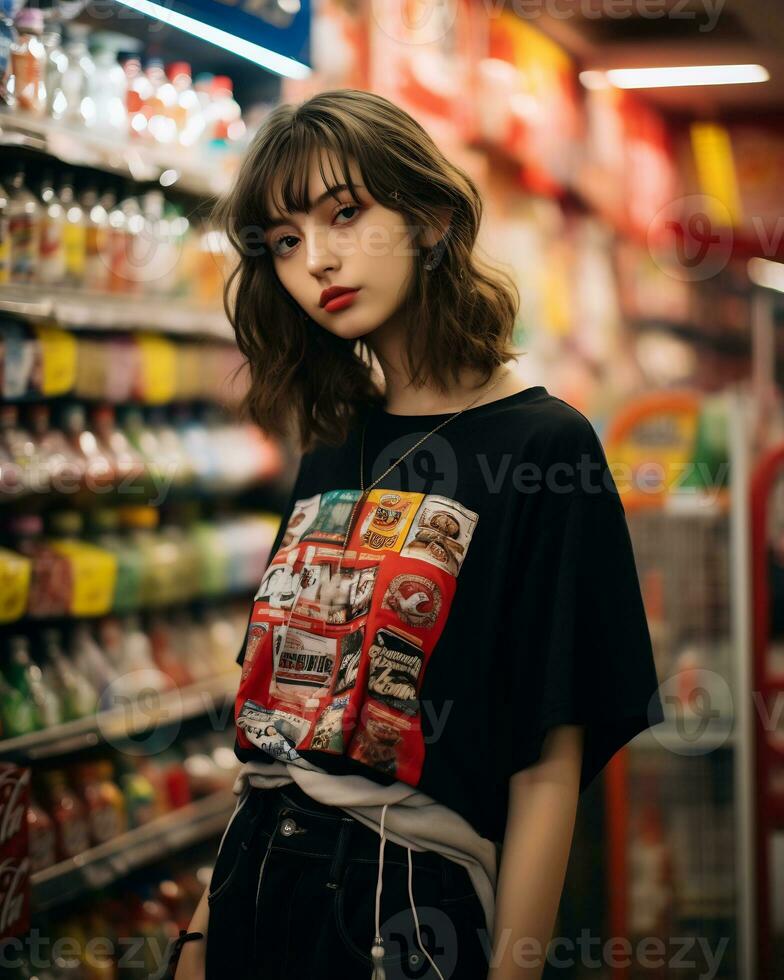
[[293, 895]]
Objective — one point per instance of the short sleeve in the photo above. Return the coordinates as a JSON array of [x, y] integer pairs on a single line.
[[296, 493], [579, 645]]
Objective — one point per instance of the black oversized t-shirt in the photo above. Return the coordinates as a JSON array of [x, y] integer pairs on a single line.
[[488, 592]]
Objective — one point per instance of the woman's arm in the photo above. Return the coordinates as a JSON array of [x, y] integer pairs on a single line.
[[192, 955], [538, 839]]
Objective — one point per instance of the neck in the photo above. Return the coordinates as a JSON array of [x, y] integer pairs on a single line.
[[403, 399]]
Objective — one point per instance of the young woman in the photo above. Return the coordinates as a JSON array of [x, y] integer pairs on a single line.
[[449, 642]]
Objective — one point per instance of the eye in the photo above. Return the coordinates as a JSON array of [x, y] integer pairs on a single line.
[[283, 238], [348, 207]]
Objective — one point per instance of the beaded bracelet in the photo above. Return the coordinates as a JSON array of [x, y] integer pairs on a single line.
[[179, 942]]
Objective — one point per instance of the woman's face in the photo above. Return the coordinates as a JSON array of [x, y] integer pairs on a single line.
[[344, 241]]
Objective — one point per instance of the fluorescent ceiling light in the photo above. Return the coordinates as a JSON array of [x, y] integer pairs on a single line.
[[259, 55], [677, 76], [765, 272]]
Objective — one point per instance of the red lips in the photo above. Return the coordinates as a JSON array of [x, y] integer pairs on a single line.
[[332, 291]]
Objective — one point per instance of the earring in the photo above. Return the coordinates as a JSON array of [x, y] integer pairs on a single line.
[[395, 195], [436, 255]]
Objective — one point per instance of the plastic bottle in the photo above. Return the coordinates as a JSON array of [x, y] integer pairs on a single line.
[[137, 248], [68, 815], [228, 126], [105, 774], [164, 651], [28, 62], [24, 216], [158, 258], [7, 37], [118, 277], [61, 469], [18, 713], [51, 247], [74, 234], [55, 67], [161, 126], [26, 676], [42, 838], [137, 654], [108, 89], [79, 696], [187, 108], [128, 462], [103, 802], [79, 105], [96, 268], [97, 469], [91, 661], [5, 238], [138, 92]]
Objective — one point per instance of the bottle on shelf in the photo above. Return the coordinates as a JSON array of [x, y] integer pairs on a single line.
[[24, 222], [96, 269], [155, 265], [108, 88], [91, 661], [55, 67], [18, 714], [51, 248], [227, 124], [27, 677], [117, 258], [138, 791], [74, 234], [79, 105], [68, 814], [137, 248], [7, 36], [79, 697], [161, 125], [103, 802], [41, 835], [28, 62], [128, 462], [59, 467], [187, 108], [138, 92], [5, 238]]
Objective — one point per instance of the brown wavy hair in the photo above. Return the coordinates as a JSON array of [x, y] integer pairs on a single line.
[[460, 315]]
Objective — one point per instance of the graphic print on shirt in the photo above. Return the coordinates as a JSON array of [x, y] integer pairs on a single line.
[[336, 651]]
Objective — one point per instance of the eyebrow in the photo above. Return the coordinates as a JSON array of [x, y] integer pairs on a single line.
[[277, 220]]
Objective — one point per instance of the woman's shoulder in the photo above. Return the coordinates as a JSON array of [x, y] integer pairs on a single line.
[[552, 427]]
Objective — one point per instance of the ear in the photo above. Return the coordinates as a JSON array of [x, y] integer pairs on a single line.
[[435, 232]]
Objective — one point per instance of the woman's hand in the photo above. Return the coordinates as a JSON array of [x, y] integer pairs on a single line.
[[192, 962]]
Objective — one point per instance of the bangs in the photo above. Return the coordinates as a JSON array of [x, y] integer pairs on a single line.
[[284, 175]]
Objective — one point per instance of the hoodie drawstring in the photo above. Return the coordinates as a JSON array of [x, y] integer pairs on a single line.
[[377, 949]]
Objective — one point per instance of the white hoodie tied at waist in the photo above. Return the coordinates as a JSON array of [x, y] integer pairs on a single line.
[[411, 818]]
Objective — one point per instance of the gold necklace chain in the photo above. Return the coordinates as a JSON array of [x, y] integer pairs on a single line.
[[363, 495]]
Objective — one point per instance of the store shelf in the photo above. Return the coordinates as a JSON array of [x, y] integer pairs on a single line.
[[80, 146], [121, 722], [102, 865], [81, 309]]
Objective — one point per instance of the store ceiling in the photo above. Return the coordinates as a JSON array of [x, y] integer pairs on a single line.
[[603, 34]]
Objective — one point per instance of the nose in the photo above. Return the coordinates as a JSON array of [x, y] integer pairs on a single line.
[[321, 255]]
